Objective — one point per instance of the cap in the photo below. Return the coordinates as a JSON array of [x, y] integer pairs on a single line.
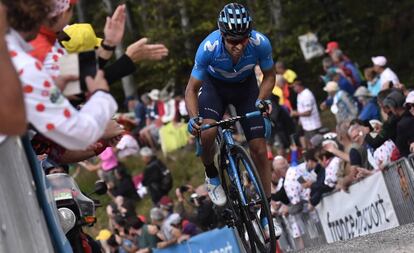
[[156, 214], [82, 38], [154, 94], [331, 86], [175, 219], [146, 151], [379, 60], [316, 140], [395, 99], [103, 235], [362, 91], [165, 201], [410, 98], [330, 46]]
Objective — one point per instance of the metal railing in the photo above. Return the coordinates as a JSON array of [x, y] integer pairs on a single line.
[[22, 224]]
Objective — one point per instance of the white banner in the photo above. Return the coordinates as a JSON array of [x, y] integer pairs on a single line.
[[366, 209], [310, 46]]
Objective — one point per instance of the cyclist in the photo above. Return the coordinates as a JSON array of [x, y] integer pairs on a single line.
[[223, 74]]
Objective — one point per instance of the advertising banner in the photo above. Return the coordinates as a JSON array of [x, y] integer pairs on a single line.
[[365, 209], [215, 241]]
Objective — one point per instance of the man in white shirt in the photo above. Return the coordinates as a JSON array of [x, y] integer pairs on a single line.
[[386, 74], [307, 111]]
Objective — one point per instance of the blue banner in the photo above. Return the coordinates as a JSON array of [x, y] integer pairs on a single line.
[[215, 241]]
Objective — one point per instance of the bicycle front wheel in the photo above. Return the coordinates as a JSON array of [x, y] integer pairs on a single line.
[[255, 205]]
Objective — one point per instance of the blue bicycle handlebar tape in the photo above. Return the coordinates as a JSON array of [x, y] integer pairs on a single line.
[[253, 114]]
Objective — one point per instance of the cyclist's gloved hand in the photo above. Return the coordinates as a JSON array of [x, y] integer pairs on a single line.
[[262, 105], [194, 124]]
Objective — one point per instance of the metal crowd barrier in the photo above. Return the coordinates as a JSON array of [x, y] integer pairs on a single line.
[[22, 224], [399, 178], [311, 231]]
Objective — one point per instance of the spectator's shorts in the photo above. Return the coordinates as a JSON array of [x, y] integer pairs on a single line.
[[309, 134], [215, 95]]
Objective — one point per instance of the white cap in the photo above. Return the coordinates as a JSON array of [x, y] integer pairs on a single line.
[[379, 60], [146, 151], [410, 98], [154, 94], [331, 86]]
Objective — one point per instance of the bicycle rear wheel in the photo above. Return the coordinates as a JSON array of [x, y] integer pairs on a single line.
[[256, 205]]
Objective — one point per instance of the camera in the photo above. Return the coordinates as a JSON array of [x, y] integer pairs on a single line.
[[184, 188]]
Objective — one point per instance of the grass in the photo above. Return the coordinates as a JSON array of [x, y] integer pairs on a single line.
[[185, 167]]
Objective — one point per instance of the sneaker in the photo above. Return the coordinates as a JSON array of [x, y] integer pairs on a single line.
[[215, 191], [276, 227]]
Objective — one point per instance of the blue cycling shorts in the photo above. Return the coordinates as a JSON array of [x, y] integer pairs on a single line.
[[215, 95]]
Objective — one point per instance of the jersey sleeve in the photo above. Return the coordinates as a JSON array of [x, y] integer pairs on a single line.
[[53, 116], [202, 60], [264, 51]]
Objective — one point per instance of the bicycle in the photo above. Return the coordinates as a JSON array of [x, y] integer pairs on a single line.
[[244, 190]]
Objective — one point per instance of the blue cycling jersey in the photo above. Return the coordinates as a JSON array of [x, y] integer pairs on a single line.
[[213, 58]]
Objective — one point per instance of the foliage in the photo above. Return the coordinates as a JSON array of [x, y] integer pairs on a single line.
[[363, 29]]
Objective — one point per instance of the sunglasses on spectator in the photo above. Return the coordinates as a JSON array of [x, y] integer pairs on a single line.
[[236, 42], [409, 106]]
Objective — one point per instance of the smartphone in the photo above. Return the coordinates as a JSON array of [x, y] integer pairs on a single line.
[[301, 180], [88, 66], [83, 64]]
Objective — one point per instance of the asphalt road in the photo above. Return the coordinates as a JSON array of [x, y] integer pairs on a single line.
[[400, 239]]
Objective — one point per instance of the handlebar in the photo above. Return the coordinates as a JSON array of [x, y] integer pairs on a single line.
[[228, 122]]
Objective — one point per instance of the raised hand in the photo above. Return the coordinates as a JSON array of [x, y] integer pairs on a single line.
[[115, 27], [140, 51]]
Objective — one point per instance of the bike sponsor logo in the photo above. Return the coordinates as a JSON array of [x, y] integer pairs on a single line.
[[256, 41], [210, 47]]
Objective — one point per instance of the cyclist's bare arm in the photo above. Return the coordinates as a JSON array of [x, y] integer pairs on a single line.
[[267, 84], [191, 96]]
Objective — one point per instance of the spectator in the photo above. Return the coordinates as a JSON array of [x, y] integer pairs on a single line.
[[11, 102], [318, 188], [370, 108], [280, 167], [387, 79], [282, 91], [393, 106], [147, 235], [373, 81], [47, 110], [169, 234], [307, 111], [282, 126], [348, 68], [202, 212], [333, 73], [343, 106], [157, 177], [405, 135], [288, 74], [127, 146], [123, 185], [154, 113]]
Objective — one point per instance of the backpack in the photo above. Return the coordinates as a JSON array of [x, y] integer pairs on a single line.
[[167, 180]]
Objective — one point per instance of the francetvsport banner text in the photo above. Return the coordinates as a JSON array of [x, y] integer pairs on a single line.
[[366, 209]]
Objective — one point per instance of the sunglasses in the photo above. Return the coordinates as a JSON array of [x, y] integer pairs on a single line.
[[236, 42], [409, 106]]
